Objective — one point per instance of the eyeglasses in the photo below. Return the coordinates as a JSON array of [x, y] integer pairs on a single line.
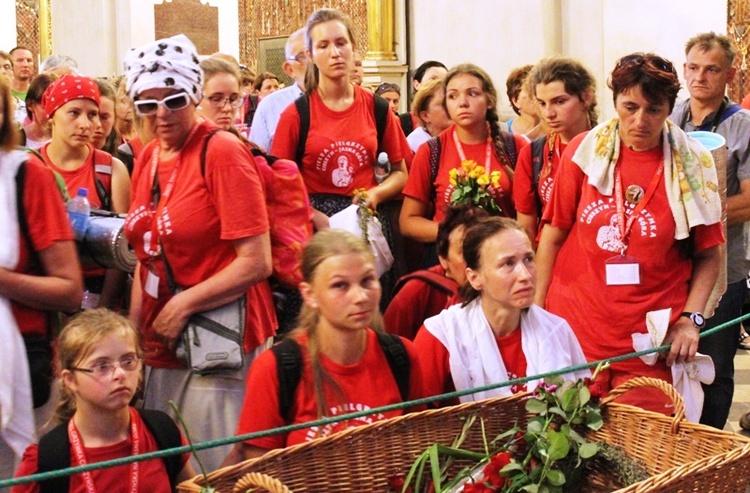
[[300, 57], [105, 369], [218, 100], [639, 58], [146, 107], [386, 87]]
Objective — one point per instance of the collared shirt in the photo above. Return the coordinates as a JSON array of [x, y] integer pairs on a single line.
[[735, 130], [268, 113]]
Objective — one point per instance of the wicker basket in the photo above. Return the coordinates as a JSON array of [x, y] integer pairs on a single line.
[[679, 455]]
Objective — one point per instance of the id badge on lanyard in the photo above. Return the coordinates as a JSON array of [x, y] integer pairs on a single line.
[[623, 269]]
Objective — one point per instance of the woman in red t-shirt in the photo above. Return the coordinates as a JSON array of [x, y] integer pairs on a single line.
[[565, 93], [343, 365], [100, 365], [342, 141], [471, 102], [497, 334], [632, 231], [72, 105]]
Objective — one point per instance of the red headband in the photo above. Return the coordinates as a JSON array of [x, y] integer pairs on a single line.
[[67, 88]]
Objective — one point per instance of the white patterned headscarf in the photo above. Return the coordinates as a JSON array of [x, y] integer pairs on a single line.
[[164, 64]]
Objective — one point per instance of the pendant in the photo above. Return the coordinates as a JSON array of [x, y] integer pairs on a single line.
[[633, 194]]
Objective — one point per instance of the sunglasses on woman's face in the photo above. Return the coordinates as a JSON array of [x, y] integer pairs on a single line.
[[653, 60], [175, 102]]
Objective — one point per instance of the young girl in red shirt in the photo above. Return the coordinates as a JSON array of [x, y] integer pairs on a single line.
[[100, 365]]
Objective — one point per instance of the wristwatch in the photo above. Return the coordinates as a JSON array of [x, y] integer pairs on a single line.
[[696, 318]]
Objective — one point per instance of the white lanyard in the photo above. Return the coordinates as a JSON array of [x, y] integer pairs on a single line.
[[77, 443], [462, 156]]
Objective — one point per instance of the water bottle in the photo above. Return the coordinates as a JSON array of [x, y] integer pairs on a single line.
[[79, 210], [382, 167]]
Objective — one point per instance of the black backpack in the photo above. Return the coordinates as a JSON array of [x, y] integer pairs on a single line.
[[537, 161], [54, 450], [289, 368], [303, 108]]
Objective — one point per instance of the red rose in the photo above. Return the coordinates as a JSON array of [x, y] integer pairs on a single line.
[[396, 483]]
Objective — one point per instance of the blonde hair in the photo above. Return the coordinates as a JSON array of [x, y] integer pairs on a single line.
[[8, 131], [215, 65], [78, 340], [424, 97], [324, 245]]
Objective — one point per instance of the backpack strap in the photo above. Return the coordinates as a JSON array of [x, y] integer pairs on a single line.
[[381, 119], [167, 435], [398, 360], [537, 162], [252, 105], [432, 278], [53, 453], [303, 109], [434, 145], [407, 124], [204, 149], [103, 178], [509, 142], [289, 372]]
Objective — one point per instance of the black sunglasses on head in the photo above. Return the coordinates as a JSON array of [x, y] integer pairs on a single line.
[[640, 59]]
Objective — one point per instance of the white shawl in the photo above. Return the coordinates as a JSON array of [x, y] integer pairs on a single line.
[[16, 412], [547, 341]]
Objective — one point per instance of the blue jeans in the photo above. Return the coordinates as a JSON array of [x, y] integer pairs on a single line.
[[722, 347]]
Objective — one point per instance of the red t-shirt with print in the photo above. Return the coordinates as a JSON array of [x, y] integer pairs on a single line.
[[48, 223], [524, 194], [367, 384], [603, 317], [419, 184], [435, 361], [341, 145], [201, 217], [82, 177], [152, 474]]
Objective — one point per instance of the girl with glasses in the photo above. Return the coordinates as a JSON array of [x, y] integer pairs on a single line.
[[204, 216], [631, 236], [72, 105], [222, 95], [100, 371]]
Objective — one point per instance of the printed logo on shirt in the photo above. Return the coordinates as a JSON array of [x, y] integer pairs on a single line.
[[545, 188], [518, 387], [608, 235], [319, 432], [343, 158]]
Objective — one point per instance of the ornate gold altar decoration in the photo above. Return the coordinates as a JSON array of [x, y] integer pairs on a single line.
[[34, 27], [738, 28], [197, 20], [271, 18]]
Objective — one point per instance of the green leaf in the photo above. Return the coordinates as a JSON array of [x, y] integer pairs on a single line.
[[570, 400], [588, 450], [594, 420], [456, 195], [512, 466], [535, 406], [559, 412], [584, 396], [435, 467], [558, 445], [555, 477], [531, 488], [534, 426]]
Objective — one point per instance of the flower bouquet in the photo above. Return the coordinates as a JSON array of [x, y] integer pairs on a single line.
[[549, 455], [471, 184]]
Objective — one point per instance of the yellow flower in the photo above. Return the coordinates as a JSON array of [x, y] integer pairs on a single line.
[[480, 170], [473, 173], [483, 180], [495, 178], [468, 164]]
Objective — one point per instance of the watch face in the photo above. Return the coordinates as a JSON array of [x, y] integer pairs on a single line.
[[698, 319]]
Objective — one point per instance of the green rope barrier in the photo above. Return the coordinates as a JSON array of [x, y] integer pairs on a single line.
[[325, 421]]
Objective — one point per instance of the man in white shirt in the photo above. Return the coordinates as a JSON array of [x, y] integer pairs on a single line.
[[269, 109]]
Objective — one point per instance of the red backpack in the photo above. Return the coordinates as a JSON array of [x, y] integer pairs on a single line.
[[289, 212]]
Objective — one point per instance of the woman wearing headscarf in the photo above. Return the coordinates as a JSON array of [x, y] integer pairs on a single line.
[[207, 219], [630, 244]]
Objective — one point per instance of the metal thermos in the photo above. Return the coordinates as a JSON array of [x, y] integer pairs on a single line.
[[105, 244]]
